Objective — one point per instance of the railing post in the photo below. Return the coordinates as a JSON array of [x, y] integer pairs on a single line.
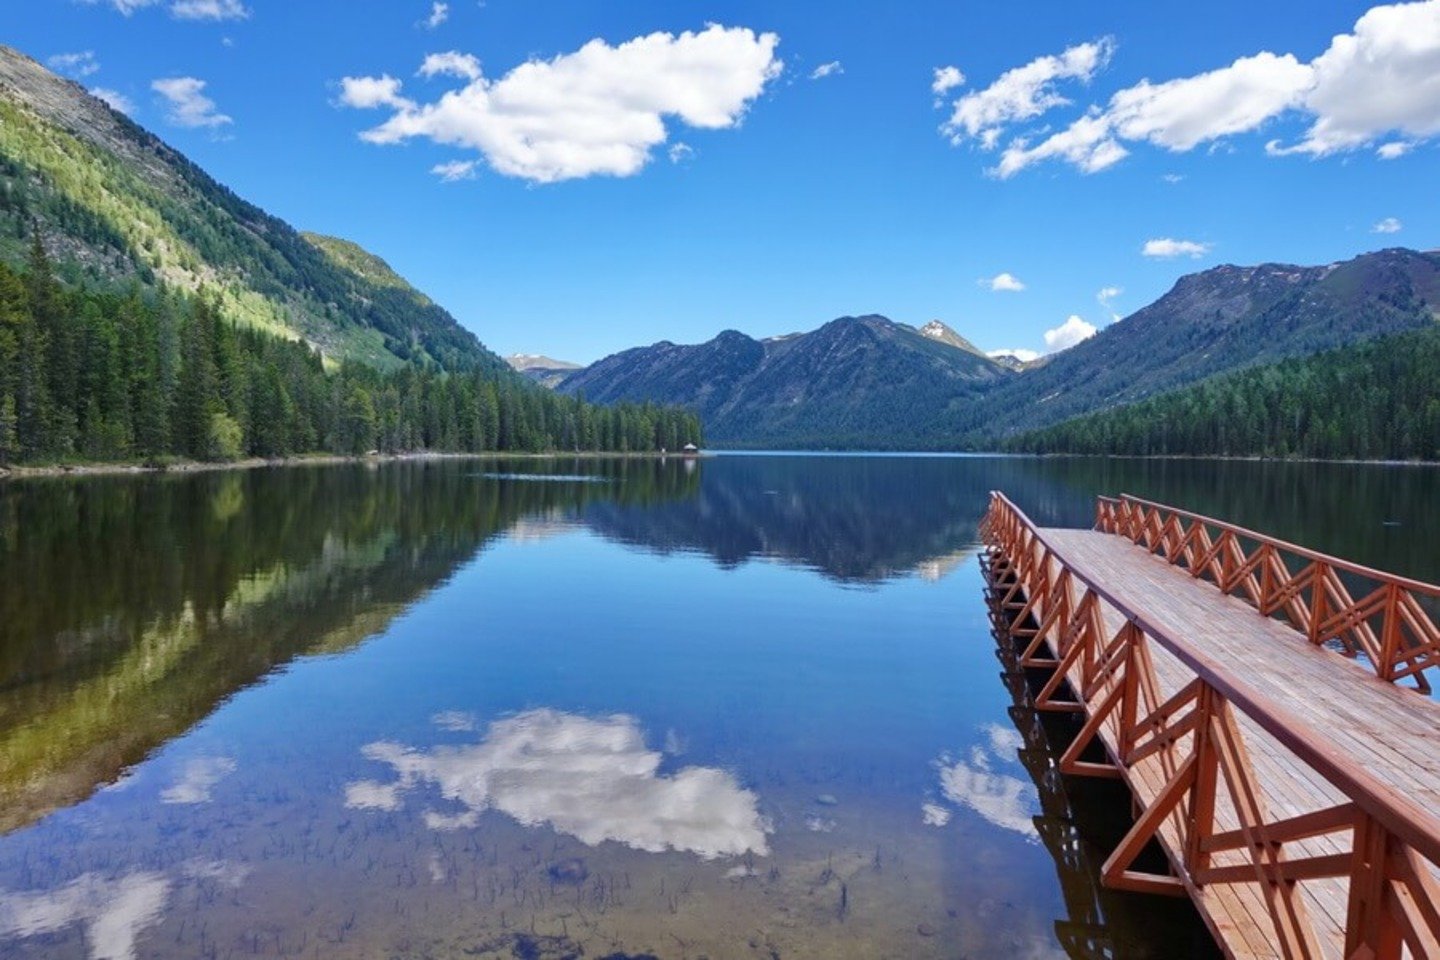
[[1318, 596], [1371, 930], [1202, 797], [1390, 634], [1130, 698], [1266, 579]]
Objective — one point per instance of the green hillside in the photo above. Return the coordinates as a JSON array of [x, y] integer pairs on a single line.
[[1375, 400], [116, 205]]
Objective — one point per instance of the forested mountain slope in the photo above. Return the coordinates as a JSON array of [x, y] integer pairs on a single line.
[[1375, 400]]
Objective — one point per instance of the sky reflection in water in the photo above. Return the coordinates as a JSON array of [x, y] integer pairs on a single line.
[[349, 712]]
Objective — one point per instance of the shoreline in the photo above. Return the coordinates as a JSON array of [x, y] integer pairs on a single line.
[[131, 468]]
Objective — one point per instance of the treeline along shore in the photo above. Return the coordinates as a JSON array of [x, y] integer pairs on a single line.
[[101, 376]]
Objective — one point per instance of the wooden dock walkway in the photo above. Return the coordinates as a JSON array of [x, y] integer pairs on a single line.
[[1267, 724]]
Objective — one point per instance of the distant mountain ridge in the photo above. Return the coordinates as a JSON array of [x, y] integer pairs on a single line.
[[872, 382], [544, 370], [115, 204], [1222, 319], [852, 380]]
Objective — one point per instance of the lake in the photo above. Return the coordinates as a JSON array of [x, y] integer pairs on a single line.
[[746, 706]]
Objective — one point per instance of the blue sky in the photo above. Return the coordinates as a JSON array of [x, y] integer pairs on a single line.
[[567, 229]]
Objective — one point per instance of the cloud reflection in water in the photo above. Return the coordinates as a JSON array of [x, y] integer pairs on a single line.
[[1004, 800], [591, 778], [113, 911]]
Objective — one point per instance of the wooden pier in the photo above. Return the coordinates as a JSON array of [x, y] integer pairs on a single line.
[[1276, 734]]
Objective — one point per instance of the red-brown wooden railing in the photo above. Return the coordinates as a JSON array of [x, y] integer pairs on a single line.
[[1388, 624], [1193, 737]]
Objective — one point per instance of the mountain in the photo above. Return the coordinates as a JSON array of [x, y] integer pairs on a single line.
[[543, 370], [936, 330], [870, 382], [1219, 320], [856, 381], [115, 205]]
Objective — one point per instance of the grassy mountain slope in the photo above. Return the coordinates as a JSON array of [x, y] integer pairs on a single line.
[[1375, 400], [115, 203], [855, 381]]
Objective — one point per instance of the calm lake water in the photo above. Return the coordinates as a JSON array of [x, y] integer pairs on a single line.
[[742, 707]]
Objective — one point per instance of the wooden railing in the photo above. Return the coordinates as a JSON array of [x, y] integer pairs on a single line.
[[1387, 625], [1383, 843]]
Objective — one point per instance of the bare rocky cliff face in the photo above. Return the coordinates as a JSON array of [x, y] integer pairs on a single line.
[[69, 106]]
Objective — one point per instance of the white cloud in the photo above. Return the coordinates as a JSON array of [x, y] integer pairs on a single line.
[[116, 100], [934, 815], [1164, 248], [183, 9], [1019, 353], [946, 79], [1003, 283], [1086, 143], [680, 151], [451, 63], [1069, 333], [1381, 80], [1388, 225], [125, 7], [1181, 114], [453, 171], [1106, 298], [197, 780], [599, 110], [591, 778], [1023, 93], [1383, 77], [455, 721], [830, 69], [439, 13], [78, 65], [186, 103], [1172, 177], [209, 10], [365, 93]]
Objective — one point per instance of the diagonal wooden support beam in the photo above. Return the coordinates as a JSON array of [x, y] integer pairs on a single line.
[[1070, 761], [1116, 872]]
